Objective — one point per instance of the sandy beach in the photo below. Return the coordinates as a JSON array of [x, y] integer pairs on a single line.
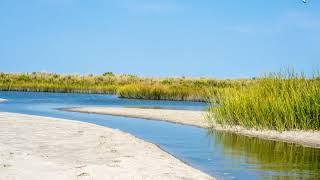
[[197, 118], [37, 148]]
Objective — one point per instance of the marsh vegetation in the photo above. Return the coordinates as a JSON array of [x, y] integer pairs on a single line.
[[279, 101], [125, 86]]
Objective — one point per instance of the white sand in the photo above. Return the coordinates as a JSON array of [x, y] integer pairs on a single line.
[[3, 100], [197, 118], [37, 148], [194, 118]]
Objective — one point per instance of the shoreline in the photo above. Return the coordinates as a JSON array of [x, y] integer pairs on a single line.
[[3, 100], [67, 149], [196, 118]]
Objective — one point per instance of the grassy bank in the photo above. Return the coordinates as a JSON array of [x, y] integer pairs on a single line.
[[278, 102], [125, 86]]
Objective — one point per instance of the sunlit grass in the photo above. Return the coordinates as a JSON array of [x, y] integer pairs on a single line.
[[162, 92], [125, 86], [279, 101]]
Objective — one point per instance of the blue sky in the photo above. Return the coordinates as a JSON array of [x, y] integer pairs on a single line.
[[218, 38]]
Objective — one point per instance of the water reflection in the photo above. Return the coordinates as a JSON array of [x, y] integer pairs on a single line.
[[270, 158]]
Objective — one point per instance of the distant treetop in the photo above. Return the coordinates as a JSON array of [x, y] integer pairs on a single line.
[[108, 74]]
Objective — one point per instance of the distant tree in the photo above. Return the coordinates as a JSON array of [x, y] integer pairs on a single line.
[[108, 74]]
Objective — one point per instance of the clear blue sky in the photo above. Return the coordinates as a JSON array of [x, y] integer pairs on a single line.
[[220, 38]]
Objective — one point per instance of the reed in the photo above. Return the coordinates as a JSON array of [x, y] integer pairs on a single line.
[[279, 101]]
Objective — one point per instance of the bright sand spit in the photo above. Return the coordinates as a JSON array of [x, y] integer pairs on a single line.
[[194, 118], [37, 148], [197, 118]]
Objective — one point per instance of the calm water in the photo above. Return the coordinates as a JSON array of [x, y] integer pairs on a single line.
[[223, 155]]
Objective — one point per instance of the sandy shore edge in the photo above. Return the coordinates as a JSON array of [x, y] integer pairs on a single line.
[[186, 117], [66, 149], [197, 118]]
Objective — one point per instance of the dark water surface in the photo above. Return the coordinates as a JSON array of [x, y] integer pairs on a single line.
[[223, 155]]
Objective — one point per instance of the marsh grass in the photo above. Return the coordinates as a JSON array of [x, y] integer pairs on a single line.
[[279, 101], [125, 85], [162, 92]]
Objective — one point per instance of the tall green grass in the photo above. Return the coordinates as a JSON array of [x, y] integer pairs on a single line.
[[280, 102]]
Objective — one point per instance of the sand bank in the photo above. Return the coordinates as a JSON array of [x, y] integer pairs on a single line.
[[34, 147], [196, 118], [3, 100]]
